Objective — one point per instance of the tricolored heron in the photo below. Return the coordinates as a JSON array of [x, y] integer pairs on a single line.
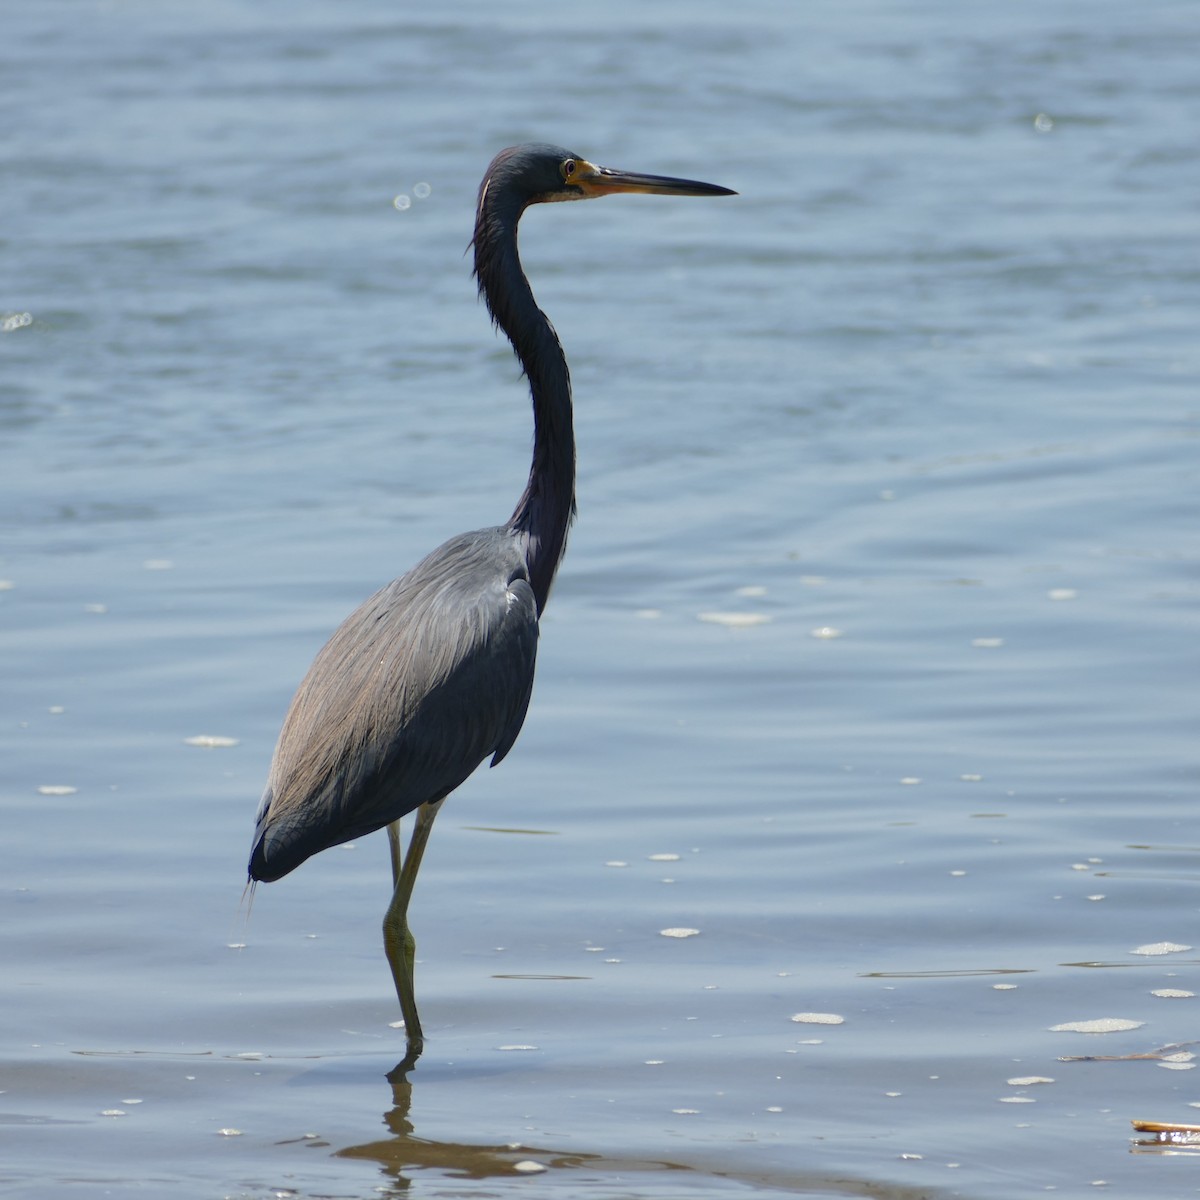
[[433, 673]]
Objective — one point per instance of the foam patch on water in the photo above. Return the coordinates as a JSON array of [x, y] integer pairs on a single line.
[[1160, 948], [1101, 1025], [815, 1018], [734, 620]]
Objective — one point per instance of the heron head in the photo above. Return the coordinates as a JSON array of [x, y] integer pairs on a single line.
[[537, 173]]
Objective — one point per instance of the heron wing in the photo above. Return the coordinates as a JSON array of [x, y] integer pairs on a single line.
[[412, 692]]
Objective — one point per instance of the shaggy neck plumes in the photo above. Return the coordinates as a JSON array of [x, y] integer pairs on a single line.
[[547, 506]]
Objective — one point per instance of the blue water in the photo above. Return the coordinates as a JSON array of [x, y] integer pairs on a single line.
[[879, 615]]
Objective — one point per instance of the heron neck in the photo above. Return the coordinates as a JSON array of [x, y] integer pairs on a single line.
[[547, 505]]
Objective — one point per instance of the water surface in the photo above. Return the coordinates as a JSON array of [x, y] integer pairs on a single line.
[[872, 658]]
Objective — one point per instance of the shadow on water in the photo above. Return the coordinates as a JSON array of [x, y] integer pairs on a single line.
[[402, 1154]]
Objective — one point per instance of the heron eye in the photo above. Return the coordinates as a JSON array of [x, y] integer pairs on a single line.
[[568, 168]]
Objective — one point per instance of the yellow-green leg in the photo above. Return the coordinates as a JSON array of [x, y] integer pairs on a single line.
[[398, 941]]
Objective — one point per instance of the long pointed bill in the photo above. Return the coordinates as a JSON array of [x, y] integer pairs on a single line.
[[604, 181]]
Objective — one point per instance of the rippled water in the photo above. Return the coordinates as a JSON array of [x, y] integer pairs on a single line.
[[872, 660]]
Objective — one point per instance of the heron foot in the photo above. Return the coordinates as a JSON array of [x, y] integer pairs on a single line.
[[401, 949]]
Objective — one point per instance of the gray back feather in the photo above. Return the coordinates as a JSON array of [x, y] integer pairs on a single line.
[[412, 692]]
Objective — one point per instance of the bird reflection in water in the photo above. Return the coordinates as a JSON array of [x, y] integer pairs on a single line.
[[403, 1153]]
